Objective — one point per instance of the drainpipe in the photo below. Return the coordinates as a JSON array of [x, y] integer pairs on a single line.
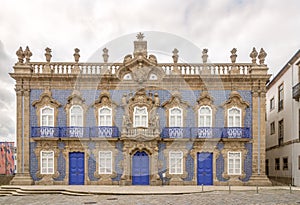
[[293, 131], [258, 128]]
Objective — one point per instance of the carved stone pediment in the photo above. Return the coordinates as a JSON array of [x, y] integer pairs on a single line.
[[104, 100]]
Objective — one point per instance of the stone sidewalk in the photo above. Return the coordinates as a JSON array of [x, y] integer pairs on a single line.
[[131, 190], [140, 195]]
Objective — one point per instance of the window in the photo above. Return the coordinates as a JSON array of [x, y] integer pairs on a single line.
[[277, 164], [176, 162], [105, 162], [299, 162], [76, 116], [105, 116], [272, 128], [205, 116], [47, 162], [47, 116], [140, 117], [175, 117], [127, 77], [280, 97], [234, 163], [280, 132], [234, 117], [285, 163], [272, 104]]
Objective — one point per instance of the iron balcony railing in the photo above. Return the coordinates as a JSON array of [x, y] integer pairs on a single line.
[[296, 92], [76, 132], [206, 132]]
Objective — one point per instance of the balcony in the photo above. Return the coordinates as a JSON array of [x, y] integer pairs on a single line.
[[296, 92], [140, 133], [206, 132], [75, 132]]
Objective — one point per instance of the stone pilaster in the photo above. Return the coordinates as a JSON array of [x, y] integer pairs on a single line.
[[23, 135]]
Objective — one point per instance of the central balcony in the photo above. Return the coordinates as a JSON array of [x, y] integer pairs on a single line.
[[206, 132], [75, 132]]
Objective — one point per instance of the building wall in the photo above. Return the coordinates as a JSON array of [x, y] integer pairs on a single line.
[[290, 115]]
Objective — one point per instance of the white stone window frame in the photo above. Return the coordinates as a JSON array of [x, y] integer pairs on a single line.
[[105, 116], [45, 170], [47, 117], [72, 124], [234, 160], [105, 162], [176, 117], [173, 160], [135, 122], [205, 116], [234, 117]]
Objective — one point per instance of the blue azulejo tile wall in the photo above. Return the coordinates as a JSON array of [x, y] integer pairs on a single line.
[[90, 96]]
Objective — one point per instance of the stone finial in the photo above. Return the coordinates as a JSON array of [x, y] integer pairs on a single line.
[[233, 55], [27, 54], [175, 55], [204, 55], [76, 55], [261, 56], [140, 36], [105, 55], [48, 54], [253, 55], [20, 55]]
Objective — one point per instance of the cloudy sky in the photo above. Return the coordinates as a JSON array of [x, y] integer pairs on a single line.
[[218, 25]]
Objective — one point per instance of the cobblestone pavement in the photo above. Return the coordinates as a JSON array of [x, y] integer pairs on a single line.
[[211, 198]]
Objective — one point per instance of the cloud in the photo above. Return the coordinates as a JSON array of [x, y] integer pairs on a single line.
[[7, 99]]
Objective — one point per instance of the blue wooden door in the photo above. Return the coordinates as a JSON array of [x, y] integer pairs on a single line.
[[76, 168], [140, 168], [205, 168]]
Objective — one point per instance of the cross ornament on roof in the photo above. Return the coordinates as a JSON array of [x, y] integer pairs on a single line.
[[140, 36]]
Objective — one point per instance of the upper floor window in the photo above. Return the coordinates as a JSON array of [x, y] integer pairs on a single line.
[[175, 162], [285, 163], [175, 117], [280, 97], [280, 132], [47, 116], [234, 163], [105, 162], [205, 116], [234, 117], [272, 104], [76, 116], [272, 128], [105, 116], [140, 117], [47, 162]]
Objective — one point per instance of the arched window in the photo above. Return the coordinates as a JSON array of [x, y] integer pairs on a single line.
[[234, 117], [175, 118], [76, 116], [105, 116], [205, 116], [47, 116], [140, 117]]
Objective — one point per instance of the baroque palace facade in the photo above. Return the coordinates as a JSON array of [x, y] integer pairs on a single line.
[[140, 122]]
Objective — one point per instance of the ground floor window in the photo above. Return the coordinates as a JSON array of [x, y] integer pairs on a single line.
[[105, 162], [47, 162], [277, 164], [234, 163], [175, 162], [285, 163]]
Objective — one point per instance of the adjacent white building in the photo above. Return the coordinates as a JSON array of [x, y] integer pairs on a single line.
[[283, 124]]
